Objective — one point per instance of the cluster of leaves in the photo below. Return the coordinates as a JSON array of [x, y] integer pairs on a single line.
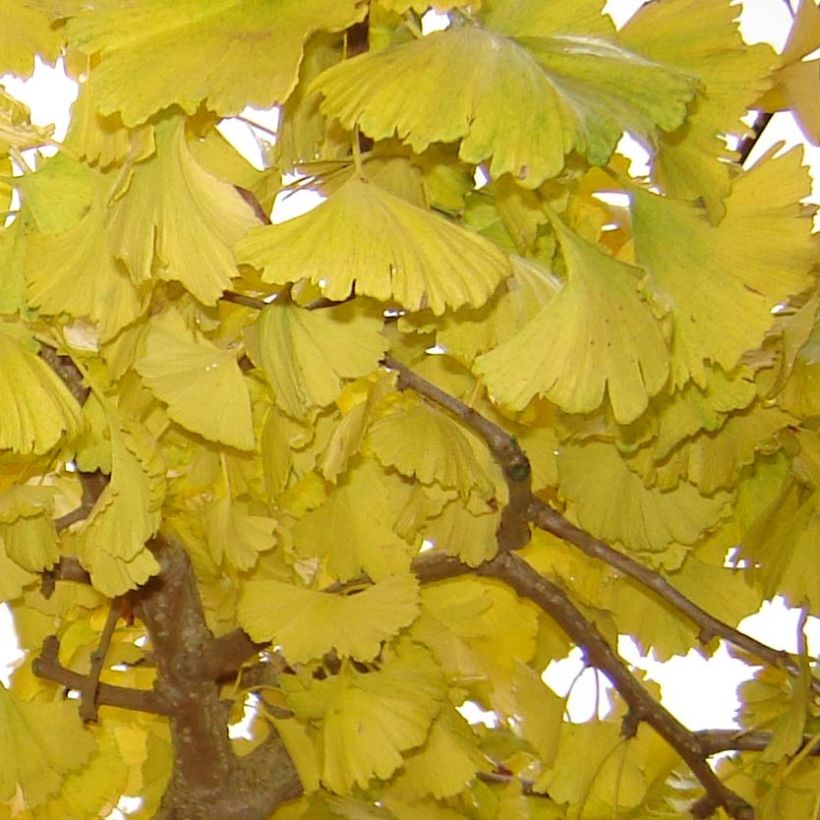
[[306, 439]]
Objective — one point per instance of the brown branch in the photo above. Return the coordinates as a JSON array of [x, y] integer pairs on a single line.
[[513, 532], [549, 597], [713, 741], [548, 519], [68, 372], [88, 701], [48, 667]]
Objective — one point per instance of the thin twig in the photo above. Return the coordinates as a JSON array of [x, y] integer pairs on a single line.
[[48, 667], [548, 519], [513, 532], [91, 685], [549, 597]]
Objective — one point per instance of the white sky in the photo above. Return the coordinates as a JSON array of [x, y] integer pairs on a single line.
[[699, 692]]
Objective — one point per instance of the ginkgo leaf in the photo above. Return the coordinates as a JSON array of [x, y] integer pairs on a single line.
[[723, 281], [597, 334], [69, 267], [466, 528], [368, 720], [176, 221], [701, 37], [201, 383], [38, 410], [112, 541], [420, 440], [16, 129], [13, 578], [104, 141], [354, 527], [307, 624], [525, 101], [49, 741], [540, 711], [308, 354], [234, 532], [227, 54], [365, 239], [31, 541], [25, 33], [640, 518], [446, 763]]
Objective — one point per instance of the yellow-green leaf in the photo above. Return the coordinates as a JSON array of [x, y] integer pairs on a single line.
[[201, 383], [40, 744], [525, 101], [420, 440], [366, 240], [597, 334], [25, 33], [368, 720], [227, 53], [176, 221], [38, 410], [723, 281], [642, 519], [308, 354], [233, 532], [307, 624]]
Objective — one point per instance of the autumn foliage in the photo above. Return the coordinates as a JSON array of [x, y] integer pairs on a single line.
[[494, 398]]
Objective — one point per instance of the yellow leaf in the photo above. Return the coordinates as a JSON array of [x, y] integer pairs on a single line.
[[201, 383], [105, 141], [368, 720], [420, 440], [354, 527], [26, 32], [308, 354], [41, 743], [642, 519], [446, 763], [13, 578], [112, 541], [227, 54], [400, 253], [16, 129], [597, 334], [176, 221], [232, 531], [307, 624], [540, 711], [37, 407], [525, 100], [723, 281], [466, 528]]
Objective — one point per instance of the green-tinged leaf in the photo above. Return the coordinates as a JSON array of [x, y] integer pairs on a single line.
[[523, 101], [233, 532], [41, 743], [639, 518], [354, 527], [365, 240], [227, 54], [201, 383], [13, 578], [16, 130], [38, 410], [723, 281], [367, 720], [25, 33], [540, 711], [308, 354], [176, 221], [420, 440], [598, 334], [307, 624], [701, 38], [69, 267]]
